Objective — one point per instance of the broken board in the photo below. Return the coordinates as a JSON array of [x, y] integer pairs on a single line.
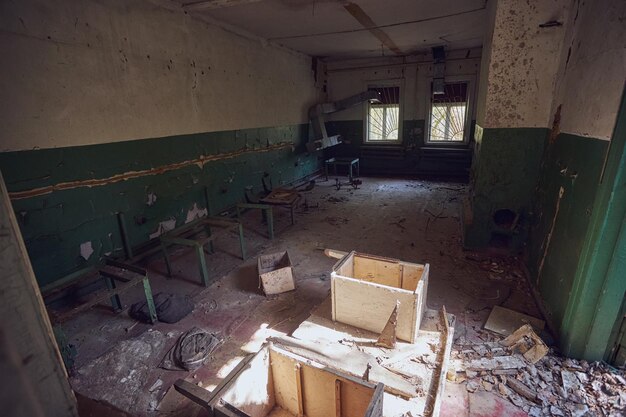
[[361, 282]]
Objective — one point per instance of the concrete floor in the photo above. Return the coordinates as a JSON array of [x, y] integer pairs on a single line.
[[416, 221]]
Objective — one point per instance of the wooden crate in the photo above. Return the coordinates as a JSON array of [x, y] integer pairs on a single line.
[[365, 289], [275, 273], [277, 383]]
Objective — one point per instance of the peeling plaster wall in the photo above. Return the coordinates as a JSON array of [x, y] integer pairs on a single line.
[[88, 72], [592, 75], [125, 107], [523, 63], [592, 72]]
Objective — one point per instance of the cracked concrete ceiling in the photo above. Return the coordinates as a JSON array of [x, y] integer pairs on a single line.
[[336, 29]]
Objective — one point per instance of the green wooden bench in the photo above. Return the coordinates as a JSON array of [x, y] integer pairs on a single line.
[[196, 234], [119, 278]]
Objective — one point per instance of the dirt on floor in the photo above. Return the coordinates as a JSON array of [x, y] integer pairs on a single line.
[[415, 221]]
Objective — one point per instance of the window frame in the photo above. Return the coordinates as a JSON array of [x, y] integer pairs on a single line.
[[399, 83], [469, 111]]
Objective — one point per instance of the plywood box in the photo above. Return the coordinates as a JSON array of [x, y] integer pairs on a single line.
[[365, 289], [277, 383], [275, 273]]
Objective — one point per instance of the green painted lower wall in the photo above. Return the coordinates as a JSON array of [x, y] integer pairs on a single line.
[[410, 157], [65, 197], [572, 164], [505, 171]]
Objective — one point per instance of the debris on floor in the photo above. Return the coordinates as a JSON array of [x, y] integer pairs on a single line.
[[543, 386], [128, 366]]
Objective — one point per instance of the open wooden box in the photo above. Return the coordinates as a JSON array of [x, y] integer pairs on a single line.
[[275, 273], [278, 383], [365, 289]]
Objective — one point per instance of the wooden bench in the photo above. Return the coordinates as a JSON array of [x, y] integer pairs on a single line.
[[119, 278], [195, 235]]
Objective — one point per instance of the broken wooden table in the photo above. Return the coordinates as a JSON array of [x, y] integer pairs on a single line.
[[197, 234], [113, 272], [283, 197]]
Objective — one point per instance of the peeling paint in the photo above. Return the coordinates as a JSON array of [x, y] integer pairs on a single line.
[[549, 236], [86, 250], [163, 227], [152, 198], [195, 213]]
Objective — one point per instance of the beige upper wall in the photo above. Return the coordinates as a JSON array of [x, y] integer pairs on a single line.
[[523, 62], [86, 72], [593, 68], [414, 75]]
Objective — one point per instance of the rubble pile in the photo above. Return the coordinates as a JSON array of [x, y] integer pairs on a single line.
[[553, 386]]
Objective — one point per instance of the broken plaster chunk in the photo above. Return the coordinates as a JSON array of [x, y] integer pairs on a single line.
[[472, 386], [157, 384], [556, 411]]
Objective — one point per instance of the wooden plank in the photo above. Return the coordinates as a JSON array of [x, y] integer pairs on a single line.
[[278, 281], [27, 337], [195, 393], [377, 270], [368, 306], [285, 391], [251, 390], [411, 275], [337, 398], [300, 396], [375, 408]]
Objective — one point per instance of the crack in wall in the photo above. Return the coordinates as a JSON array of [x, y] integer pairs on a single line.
[[200, 162]]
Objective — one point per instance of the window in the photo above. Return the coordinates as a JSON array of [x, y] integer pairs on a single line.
[[448, 114], [383, 119]]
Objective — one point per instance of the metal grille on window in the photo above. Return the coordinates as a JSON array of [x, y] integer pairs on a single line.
[[448, 112], [384, 117]]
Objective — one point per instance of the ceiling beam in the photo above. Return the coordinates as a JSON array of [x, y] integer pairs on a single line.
[[367, 22], [216, 4]]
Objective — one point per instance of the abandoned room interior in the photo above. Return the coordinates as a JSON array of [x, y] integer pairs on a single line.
[[301, 208]]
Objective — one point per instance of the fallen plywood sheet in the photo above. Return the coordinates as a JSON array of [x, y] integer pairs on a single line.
[[504, 321], [362, 282], [421, 364]]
